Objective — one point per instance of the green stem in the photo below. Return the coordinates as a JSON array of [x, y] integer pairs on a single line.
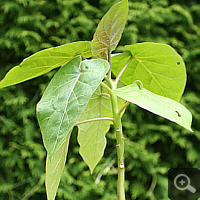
[[118, 130], [106, 87], [149, 193], [33, 191], [108, 77], [120, 144], [92, 120], [123, 107], [109, 56]]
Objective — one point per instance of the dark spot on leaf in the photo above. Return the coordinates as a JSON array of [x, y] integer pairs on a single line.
[[85, 67], [178, 63], [179, 115]]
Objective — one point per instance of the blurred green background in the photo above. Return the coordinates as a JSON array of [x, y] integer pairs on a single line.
[[153, 144]]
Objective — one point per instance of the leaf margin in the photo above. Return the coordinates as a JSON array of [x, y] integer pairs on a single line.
[[118, 61], [138, 86], [51, 183], [46, 105], [99, 47], [21, 68]]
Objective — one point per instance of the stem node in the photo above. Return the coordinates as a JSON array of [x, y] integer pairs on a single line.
[[119, 137], [121, 166]]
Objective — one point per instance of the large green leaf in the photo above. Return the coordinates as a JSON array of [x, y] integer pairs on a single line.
[[110, 29], [44, 61], [55, 166], [91, 135], [160, 68], [159, 105], [66, 97]]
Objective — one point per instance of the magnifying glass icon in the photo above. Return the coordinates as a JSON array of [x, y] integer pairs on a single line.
[[184, 180]]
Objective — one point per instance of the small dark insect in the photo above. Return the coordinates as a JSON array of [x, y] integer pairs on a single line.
[[179, 115]]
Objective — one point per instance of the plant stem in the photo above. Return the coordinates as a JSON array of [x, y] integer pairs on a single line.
[[109, 56], [120, 144], [92, 120], [32, 192], [118, 130], [108, 77], [123, 107], [106, 87]]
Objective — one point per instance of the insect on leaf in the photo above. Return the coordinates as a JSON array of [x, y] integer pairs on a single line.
[[66, 97]]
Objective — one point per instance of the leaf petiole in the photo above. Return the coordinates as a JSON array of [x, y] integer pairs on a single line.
[[123, 69], [95, 119], [106, 87], [123, 107], [109, 56]]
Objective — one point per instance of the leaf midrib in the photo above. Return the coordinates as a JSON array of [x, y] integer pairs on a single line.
[[64, 111], [59, 163]]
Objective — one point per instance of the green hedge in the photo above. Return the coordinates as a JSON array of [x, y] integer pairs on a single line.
[[153, 144]]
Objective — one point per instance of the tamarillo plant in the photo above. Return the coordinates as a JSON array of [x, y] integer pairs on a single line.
[[84, 93]]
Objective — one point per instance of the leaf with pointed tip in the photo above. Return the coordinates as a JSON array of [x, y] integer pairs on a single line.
[[110, 29], [160, 68], [91, 135], [66, 97], [159, 105], [55, 166], [44, 61]]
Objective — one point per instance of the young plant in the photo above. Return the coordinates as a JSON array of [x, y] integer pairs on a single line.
[[83, 93]]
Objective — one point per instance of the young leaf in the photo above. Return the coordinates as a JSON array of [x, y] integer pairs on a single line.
[[159, 105], [91, 135], [44, 61], [110, 29], [55, 166], [66, 97], [160, 68]]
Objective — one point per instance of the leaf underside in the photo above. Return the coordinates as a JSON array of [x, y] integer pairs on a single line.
[[44, 61], [158, 66], [55, 166], [66, 97], [91, 135], [159, 105], [110, 29]]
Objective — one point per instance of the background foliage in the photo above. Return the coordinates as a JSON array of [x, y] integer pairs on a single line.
[[153, 144]]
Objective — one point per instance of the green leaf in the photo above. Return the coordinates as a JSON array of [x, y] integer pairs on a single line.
[[44, 61], [159, 105], [66, 97], [160, 68], [91, 135], [55, 166], [110, 29]]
